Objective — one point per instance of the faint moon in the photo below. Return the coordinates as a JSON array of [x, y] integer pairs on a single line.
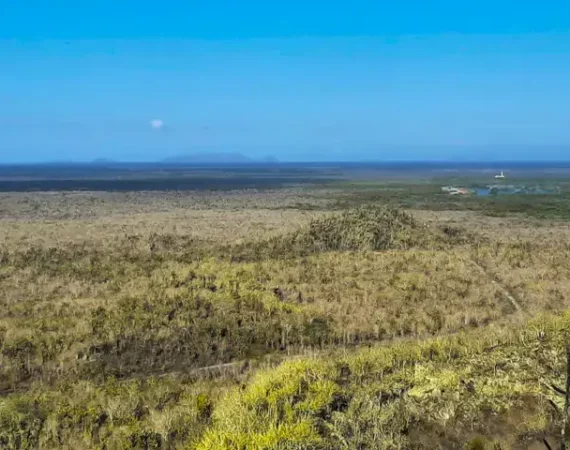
[[156, 124]]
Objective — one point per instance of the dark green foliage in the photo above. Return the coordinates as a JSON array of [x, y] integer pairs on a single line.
[[195, 329], [21, 429], [367, 228]]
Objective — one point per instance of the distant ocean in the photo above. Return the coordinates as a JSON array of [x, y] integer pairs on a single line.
[[112, 176]]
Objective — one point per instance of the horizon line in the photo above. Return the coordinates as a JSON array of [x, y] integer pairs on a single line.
[[278, 162]]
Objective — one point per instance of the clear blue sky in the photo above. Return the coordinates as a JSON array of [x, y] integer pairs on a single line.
[[301, 80]]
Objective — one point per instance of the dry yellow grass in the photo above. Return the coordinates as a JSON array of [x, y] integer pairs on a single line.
[[500, 229], [94, 285], [212, 225], [91, 205]]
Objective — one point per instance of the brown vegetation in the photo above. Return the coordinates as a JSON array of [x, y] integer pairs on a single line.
[[123, 325]]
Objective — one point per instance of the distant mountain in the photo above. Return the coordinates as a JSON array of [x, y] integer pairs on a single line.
[[210, 158], [218, 158], [269, 159], [100, 161]]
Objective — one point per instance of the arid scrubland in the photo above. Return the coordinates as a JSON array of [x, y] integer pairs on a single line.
[[276, 320]]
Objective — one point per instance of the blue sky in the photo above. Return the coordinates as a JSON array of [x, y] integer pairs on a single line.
[[299, 80]]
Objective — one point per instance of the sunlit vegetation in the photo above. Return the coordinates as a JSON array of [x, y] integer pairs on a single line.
[[474, 390], [222, 321]]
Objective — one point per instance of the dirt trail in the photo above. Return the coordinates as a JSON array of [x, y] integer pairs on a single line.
[[497, 282]]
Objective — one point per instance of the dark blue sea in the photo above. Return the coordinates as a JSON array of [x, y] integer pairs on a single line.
[[110, 176]]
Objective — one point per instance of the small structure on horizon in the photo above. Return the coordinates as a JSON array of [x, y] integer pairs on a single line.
[[451, 190], [501, 176]]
